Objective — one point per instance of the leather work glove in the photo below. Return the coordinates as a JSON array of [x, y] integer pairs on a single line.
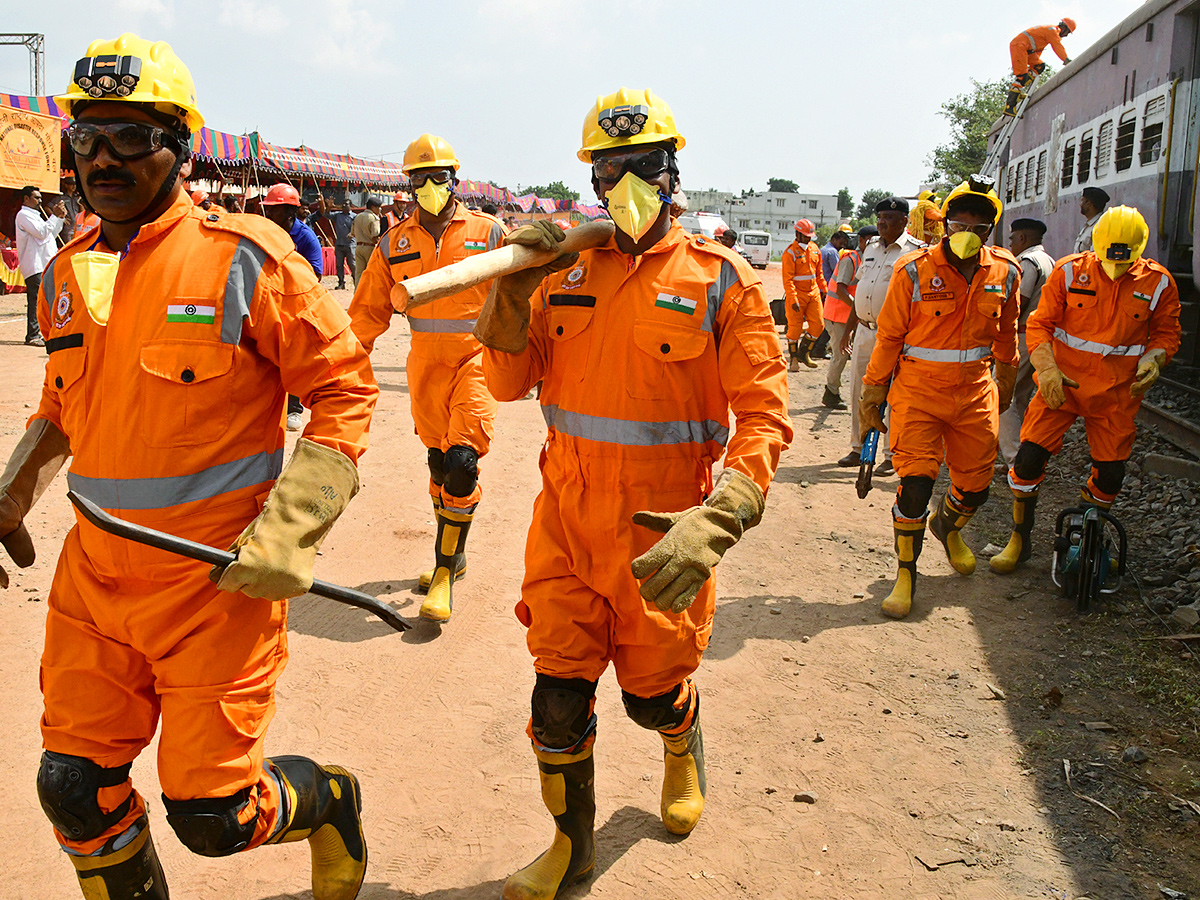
[[504, 320], [35, 461], [1148, 370], [869, 415], [275, 553], [694, 540], [1006, 381], [1051, 379]]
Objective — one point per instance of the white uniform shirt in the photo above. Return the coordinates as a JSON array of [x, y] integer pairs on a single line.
[[1036, 265], [876, 272], [1083, 243], [35, 240]]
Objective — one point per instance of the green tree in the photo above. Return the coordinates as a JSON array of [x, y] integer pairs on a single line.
[[783, 185], [866, 208], [555, 190], [971, 116], [845, 202]]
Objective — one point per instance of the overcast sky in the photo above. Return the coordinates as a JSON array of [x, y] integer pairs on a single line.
[[827, 94]]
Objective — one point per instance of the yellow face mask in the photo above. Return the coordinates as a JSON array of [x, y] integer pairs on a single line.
[[433, 197], [96, 274], [634, 205], [965, 244], [1114, 270]]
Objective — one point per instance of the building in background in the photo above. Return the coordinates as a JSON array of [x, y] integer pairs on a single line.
[[775, 212]]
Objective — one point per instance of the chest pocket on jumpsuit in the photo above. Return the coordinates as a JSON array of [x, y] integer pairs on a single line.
[[568, 325], [1079, 310], [64, 373], [659, 370], [1135, 313], [187, 396], [986, 322]]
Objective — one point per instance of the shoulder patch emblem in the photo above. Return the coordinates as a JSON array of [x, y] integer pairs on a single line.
[[937, 282], [1083, 278], [402, 244], [575, 277], [63, 308]]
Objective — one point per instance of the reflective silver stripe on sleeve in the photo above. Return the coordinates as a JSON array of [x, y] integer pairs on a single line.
[[244, 269], [1069, 274], [159, 493], [1032, 42], [1162, 286], [629, 433], [803, 277], [441, 326], [385, 244], [47, 286], [496, 236], [1014, 273], [913, 274], [1078, 343], [935, 354], [715, 295]]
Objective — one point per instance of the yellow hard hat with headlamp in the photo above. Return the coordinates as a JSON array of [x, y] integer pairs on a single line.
[[1119, 238], [627, 118]]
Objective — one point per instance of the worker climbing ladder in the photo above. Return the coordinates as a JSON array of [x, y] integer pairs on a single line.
[[991, 165]]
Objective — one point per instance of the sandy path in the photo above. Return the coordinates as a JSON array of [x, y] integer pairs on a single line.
[[912, 761]]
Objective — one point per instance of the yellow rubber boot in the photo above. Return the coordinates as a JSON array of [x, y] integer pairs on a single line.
[[805, 349], [1019, 547], [132, 871], [426, 577], [325, 808], [946, 525], [449, 558], [568, 790], [684, 784], [910, 535], [793, 357]]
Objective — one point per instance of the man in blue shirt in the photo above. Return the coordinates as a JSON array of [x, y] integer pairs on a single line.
[[343, 243]]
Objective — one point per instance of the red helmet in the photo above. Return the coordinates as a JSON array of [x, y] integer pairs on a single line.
[[1070, 23], [199, 197], [721, 229], [806, 228], [398, 198], [282, 195]]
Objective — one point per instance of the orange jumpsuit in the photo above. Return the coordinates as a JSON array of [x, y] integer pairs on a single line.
[[1098, 330], [451, 405], [174, 412], [803, 285], [1026, 48], [939, 335], [642, 359]]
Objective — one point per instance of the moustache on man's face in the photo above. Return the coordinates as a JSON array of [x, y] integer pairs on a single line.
[[113, 174]]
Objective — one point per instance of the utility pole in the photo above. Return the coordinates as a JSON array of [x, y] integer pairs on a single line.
[[36, 44]]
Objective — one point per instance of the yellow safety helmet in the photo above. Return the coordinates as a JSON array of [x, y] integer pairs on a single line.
[[931, 196], [1119, 238], [976, 185], [429, 151], [625, 119], [845, 228], [134, 70]]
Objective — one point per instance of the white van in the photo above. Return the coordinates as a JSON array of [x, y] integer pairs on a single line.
[[702, 223], [757, 245]]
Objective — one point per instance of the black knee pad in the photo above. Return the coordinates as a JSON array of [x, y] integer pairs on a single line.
[[462, 470], [972, 499], [657, 713], [210, 827], [1109, 475], [437, 466], [1031, 460], [562, 711], [67, 788], [914, 495]]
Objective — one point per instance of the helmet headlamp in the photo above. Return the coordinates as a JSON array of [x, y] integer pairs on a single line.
[[108, 74]]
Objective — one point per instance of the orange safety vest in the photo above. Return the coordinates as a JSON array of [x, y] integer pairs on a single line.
[[835, 310]]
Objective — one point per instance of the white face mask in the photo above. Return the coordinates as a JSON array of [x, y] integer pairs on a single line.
[[96, 274], [634, 205]]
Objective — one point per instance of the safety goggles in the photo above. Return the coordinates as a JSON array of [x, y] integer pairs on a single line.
[[954, 227], [645, 164], [437, 176], [125, 140]]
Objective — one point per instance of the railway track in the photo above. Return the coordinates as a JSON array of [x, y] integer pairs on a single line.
[[1174, 414]]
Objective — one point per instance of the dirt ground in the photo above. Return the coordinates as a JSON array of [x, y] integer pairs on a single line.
[[927, 784]]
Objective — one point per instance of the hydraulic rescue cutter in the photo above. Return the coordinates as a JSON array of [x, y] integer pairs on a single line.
[[1089, 555]]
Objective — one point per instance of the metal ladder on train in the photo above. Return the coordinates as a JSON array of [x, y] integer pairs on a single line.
[[991, 165]]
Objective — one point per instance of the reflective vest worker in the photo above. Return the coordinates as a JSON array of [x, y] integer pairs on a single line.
[[452, 410], [1026, 52], [645, 347], [173, 335], [1107, 323], [393, 216], [951, 310], [803, 287]]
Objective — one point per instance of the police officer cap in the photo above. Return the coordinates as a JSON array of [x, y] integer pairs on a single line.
[[1096, 195], [1037, 226], [892, 204], [868, 231]]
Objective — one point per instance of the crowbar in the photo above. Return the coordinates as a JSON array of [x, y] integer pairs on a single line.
[[140, 534]]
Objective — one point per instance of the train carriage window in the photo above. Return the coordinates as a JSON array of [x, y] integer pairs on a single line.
[[1040, 187], [1152, 131], [1083, 170], [1008, 186], [1019, 183], [1104, 149], [1068, 163], [1126, 131], [1029, 174]]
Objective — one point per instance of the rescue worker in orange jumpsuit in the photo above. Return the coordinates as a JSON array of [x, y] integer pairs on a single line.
[[1107, 323], [804, 291], [1026, 52], [173, 336], [452, 410], [951, 310], [644, 347]]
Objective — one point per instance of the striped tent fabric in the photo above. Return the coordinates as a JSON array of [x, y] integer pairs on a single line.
[[46, 106], [219, 147]]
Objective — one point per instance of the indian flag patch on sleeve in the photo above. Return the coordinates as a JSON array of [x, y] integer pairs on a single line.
[[475, 245], [1143, 297], [679, 304], [190, 312], [993, 289]]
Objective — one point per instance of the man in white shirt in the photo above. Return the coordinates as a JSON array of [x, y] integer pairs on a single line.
[[35, 248], [873, 275], [1091, 207]]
